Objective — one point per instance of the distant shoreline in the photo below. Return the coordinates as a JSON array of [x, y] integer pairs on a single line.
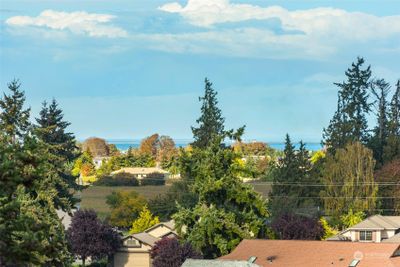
[[124, 145]]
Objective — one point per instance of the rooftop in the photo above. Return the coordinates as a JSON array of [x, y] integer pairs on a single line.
[[378, 222], [316, 253]]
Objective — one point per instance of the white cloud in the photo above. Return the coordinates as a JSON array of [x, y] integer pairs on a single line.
[[319, 32], [324, 21], [79, 22]]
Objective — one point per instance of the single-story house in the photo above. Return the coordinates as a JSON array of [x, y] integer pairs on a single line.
[[98, 161], [217, 263], [141, 172], [376, 228], [306, 253], [135, 250]]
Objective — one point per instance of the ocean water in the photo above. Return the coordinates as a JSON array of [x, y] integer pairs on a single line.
[[124, 145]]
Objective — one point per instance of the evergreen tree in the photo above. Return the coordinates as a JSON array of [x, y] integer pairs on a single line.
[[227, 210], [14, 120], [51, 129], [31, 232], [349, 122], [211, 122], [392, 148], [380, 89]]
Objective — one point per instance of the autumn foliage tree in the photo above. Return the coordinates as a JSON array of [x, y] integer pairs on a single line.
[[97, 147], [144, 221], [170, 252], [149, 145]]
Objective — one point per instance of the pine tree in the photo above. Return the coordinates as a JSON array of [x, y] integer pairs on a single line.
[[51, 129], [349, 123], [211, 122], [392, 148], [14, 120], [380, 89]]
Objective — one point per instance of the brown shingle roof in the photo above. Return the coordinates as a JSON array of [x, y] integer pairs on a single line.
[[301, 253]]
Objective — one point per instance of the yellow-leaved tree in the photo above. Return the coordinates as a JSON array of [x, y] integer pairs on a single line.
[[144, 221]]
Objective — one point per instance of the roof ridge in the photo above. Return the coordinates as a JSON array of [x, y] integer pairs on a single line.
[[387, 220]]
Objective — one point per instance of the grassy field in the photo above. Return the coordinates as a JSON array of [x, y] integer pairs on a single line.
[[94, 197]]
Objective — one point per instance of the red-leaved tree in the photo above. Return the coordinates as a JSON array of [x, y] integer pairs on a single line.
[[292, 226], [169, 252], [90, 237]]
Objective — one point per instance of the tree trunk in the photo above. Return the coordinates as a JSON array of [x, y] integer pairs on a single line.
[[83, 261]]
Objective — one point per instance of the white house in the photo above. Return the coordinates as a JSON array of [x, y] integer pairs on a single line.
[[141, 172]]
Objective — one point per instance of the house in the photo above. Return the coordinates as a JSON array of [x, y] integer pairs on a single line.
[[98, 161], [141, 172], [306, 253], [217, 263], [135, 250], [377, 228]]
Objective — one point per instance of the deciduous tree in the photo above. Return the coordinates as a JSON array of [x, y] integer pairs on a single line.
[[89, 237], [170, 252], [144, 221]]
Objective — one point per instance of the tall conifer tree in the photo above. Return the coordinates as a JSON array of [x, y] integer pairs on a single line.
[[350, 123], [380, 89], [211, 122], [392, 148], [14, 119], [51, 129]]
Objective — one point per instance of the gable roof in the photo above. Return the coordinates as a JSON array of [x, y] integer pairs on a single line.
[[170, 225], [145, 238], [301, 253], [378, 222]]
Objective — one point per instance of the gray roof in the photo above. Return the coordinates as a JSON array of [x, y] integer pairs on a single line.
[[378, 222], [146, 238], [393, 239], [217, 263]]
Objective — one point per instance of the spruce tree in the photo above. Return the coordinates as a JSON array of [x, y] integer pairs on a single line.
[[31, 232], [350, 123], [380, 89], [211, 122], [51, 130], [14, 120], [283, 196]]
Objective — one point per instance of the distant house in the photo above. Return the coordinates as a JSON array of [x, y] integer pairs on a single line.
[[135, 251], [376, 228], [141, 172], [302, 253], [98, 161]]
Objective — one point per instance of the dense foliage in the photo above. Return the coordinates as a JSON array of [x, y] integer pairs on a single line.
[[89, 237], [227, 210], [30, 185], [291, 226], [144, 221], [125, 207], [169, 252]]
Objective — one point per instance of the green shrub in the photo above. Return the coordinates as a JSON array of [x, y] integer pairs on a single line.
[[155, 178], [119, 179]]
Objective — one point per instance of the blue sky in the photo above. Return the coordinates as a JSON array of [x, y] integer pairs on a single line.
[[126, 69]]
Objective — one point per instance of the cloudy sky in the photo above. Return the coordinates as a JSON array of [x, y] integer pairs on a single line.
[[126, 69]]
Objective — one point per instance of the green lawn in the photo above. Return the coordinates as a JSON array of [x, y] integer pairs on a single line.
[[94, 197]]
